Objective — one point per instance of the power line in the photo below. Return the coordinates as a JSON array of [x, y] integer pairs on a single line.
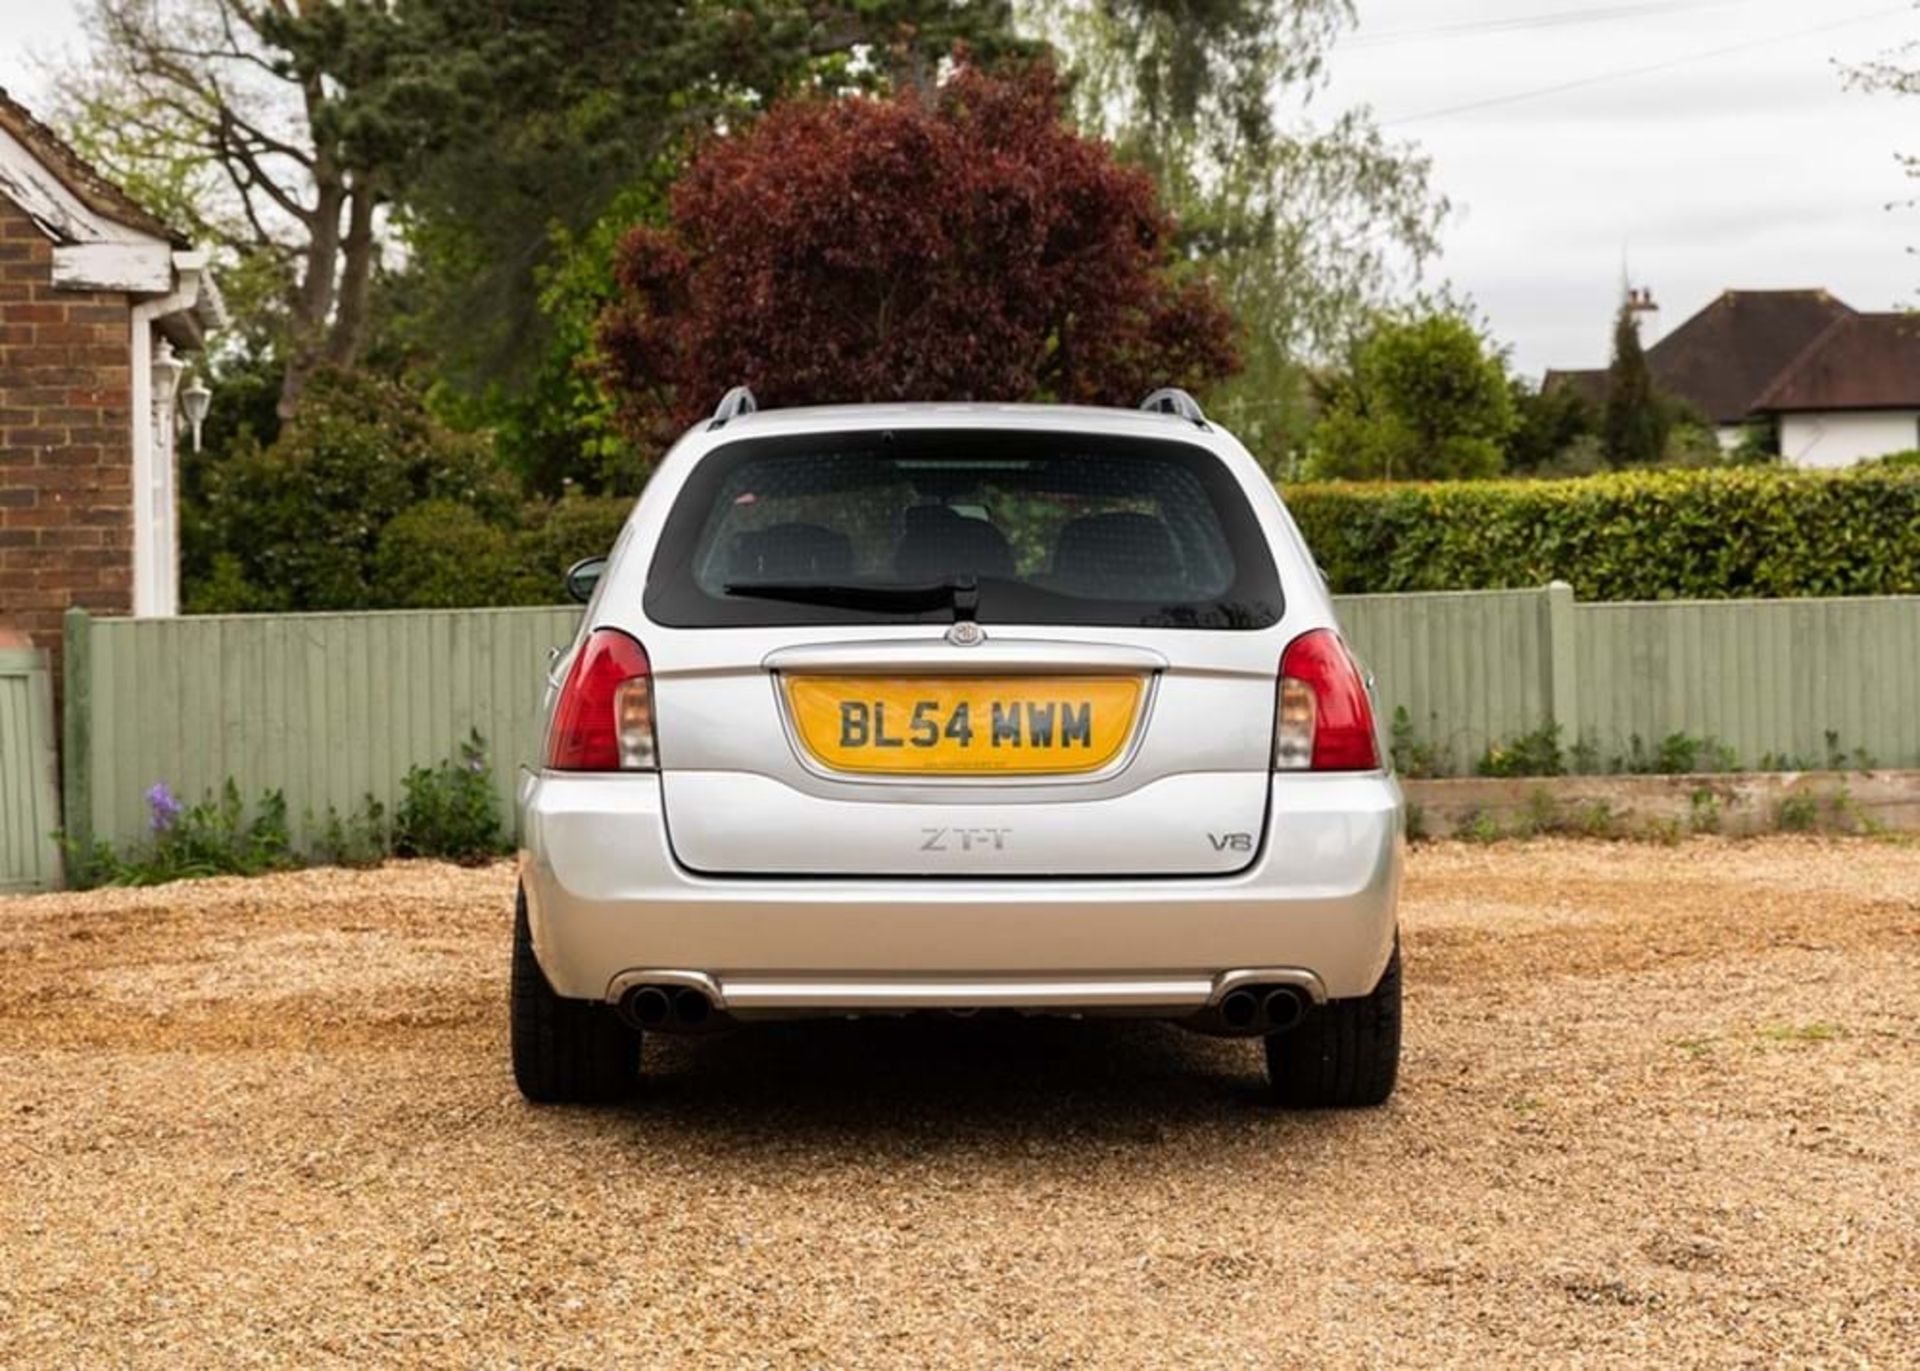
[[1626, 73], [1474, 28]]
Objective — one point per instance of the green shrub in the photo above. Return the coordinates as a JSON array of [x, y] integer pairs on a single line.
[[1682, 754], [296, 526], [559, 534], [1596, 819], [1543, 814], [442, 555], [1797, 814], [1644, 535], [356, 839], [1531, 754], [1478, 826], [449, 811], [1678, 754], [1703, 811], [1413, 758], [212, 838]]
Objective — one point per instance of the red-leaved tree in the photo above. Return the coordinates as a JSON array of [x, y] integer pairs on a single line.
[[962, 246]]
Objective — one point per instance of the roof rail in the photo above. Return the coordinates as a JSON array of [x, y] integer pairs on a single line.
[[1172, 400], [733, 404]]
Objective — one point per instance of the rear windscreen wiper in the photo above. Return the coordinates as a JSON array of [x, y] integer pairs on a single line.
[[961, 594]]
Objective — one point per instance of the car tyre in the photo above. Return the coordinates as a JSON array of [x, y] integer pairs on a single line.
[[1345, 1054], [565, 1051]]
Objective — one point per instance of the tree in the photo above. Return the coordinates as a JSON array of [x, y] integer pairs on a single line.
[[960, 245], [286, 104], [1635, 426], [1892, 73], [1310, 227], [567, 110], [1547, 423], [306, 137], [1424, 399]]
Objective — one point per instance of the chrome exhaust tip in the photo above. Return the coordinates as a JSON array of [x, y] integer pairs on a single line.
[[1284, 1008], [1239, 1009], [690, 1006], [647, 1006]]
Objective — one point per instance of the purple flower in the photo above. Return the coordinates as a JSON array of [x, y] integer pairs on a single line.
[[163, 809]]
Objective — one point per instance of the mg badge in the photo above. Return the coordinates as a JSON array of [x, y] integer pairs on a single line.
[[966, 633]]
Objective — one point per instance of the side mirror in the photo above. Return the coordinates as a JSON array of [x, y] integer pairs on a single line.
[[583, 576]]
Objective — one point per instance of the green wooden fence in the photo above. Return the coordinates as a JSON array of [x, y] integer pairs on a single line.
[[1468, 667], [331, 708], [29, 800], [1784, 683], [327, 708]]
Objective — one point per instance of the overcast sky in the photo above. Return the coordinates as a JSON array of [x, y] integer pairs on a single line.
[[1749, 167]]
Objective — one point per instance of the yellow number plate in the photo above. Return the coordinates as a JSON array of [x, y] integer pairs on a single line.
[[949, 725]]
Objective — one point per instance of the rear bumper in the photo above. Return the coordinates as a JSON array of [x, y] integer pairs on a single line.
[[607, 901], [747, 994]]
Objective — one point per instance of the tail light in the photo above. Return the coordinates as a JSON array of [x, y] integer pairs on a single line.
[[1323, 720], [604, 720]]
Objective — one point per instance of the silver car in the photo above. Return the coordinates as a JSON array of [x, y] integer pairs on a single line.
[[889, 709]]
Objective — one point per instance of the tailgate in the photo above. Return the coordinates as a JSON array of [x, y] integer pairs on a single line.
[[1187, 825], [1013, 758]]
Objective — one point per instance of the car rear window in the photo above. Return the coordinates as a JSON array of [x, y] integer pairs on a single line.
[[1025, 527]]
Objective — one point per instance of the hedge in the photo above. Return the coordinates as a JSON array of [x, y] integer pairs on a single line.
[[439, 555], [1657, 535]]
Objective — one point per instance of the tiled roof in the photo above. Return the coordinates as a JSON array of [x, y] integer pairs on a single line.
[[1590, 386], [1723, 358], [1863, 361], [79, 176]]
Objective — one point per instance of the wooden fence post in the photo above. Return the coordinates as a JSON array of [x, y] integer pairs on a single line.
[[76, 732], [29, 789], [1562, 661]]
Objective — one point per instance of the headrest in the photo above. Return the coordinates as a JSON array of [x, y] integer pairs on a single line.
[[938, 543], [791, 552], [1117, 555]]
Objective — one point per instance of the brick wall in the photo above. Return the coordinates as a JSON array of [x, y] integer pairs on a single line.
[[66, 446]]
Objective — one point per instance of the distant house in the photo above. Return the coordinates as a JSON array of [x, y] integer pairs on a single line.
[[1853, 393], [97, 299], [1844, 386]]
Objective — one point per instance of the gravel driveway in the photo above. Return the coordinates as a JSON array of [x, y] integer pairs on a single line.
[[1656, 1103]]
